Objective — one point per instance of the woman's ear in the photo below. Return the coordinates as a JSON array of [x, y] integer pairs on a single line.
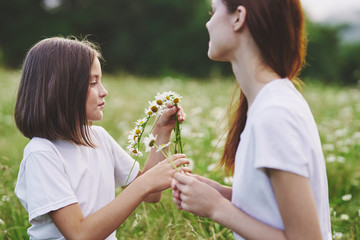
[[239, 18]]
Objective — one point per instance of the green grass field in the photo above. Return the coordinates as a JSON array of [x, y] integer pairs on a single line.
[[336, 111]]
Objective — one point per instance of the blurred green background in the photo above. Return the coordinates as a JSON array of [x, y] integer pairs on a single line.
[[157, 37], [161, 45]]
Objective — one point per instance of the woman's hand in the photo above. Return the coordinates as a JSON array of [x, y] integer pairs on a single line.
[[160, 176], [195, 196], [167, 120]]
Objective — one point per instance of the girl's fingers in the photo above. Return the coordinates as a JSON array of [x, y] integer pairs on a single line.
[[178, 155], [181, 161], [185, 170]]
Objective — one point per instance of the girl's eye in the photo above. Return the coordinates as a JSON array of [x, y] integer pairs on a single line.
[[93, 83]]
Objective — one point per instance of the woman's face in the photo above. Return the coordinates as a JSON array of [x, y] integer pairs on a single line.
[[220, 32], [96, 93]]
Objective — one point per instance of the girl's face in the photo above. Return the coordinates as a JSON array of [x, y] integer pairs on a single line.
[[220, 32], [96, 93]]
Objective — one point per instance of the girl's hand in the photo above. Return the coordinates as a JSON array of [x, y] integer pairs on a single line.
[[167, 120], [195, 196], [160, 176]]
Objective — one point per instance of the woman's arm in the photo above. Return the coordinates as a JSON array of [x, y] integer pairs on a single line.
[[73, 225], [293, 194]]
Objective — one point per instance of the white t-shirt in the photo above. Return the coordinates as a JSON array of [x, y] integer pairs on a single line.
[[55, 174], [280, 133]]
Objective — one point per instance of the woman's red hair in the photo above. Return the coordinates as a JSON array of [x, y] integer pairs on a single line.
[[277, 27]]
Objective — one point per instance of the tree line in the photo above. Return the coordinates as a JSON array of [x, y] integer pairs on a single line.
[[153, 37]]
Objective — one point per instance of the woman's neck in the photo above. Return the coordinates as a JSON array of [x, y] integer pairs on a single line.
[[252, 74]]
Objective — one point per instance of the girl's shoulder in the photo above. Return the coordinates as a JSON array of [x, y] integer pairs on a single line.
[[99, 132], [37, 144]]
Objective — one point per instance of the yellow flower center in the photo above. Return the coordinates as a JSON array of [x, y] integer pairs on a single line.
[[134, 151], [138, 131], [150, 113], [159, 102], [167, 98], [151, 143], [176, 100], [154, 109]]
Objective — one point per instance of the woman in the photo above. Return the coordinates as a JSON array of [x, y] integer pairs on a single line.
[[273, 148]]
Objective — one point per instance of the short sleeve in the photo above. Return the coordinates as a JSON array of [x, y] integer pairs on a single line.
[[43, 185], [281, 142], [125, 167]]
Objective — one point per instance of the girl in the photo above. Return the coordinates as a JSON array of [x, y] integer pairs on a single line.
[[70, 169], [273, 148]]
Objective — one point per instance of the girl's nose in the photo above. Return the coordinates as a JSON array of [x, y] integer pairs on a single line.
[[103, 92]]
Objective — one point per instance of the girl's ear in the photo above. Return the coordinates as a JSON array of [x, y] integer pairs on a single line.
[[239, 18]]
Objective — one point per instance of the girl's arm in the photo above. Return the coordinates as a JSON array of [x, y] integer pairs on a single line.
[[162, 130], [73, 225], [296, 205]]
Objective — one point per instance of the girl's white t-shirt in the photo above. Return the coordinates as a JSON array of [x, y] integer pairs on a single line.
[[280, 133], [55, 174]]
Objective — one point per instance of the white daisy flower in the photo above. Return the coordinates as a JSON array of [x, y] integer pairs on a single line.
[[154, 107], [346, 197], [132, 138], [149, 142], [168, 96], [162, 146], [211, 167], [176, 99], [134, 134], [130, 147], [5, 198], [160, 99], [141, 121], [148, 112], [337, 235], [344, 217], [135, 152], [172, 97]]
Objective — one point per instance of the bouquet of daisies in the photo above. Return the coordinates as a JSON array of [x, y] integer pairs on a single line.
[[155, 110]]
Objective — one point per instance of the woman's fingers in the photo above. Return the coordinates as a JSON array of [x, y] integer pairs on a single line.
[[182, 179]]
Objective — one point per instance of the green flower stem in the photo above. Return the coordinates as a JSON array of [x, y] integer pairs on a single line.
[[132, 167], [167, 157], [143, 126], [157, 119], [177, 130]]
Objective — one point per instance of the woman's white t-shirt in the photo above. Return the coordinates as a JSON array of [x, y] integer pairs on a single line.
[[55, 174], [280, 133]]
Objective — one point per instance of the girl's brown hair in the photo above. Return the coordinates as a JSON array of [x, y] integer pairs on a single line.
[[53, 90], [277, 27]]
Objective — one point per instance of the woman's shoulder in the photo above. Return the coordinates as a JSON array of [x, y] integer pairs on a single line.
[[278, 98]]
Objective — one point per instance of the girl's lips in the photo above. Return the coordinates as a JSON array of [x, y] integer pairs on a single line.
[[101, 105]]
